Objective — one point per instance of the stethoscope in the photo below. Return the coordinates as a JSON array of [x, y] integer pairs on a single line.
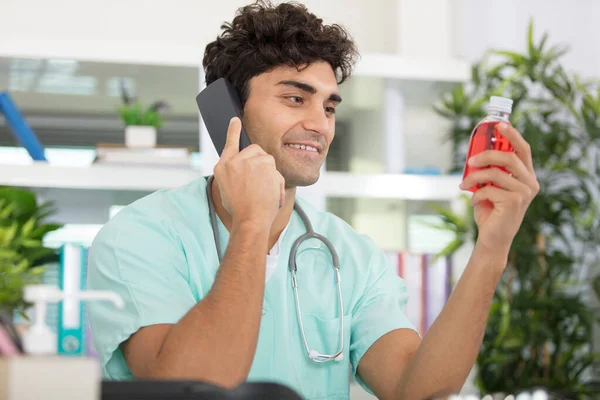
[[310, 234]]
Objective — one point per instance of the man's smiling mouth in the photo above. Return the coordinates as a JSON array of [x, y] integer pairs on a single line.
[[303, 147]]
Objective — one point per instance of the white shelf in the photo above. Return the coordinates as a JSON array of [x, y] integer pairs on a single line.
[[96, 177], [391, 186], [332, 184], [408, 68]]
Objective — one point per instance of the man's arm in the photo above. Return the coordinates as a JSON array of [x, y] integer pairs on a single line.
[[400, 366], [216, 340], [397, 366]]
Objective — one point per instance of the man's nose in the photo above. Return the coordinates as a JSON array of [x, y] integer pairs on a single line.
[[317, 120]]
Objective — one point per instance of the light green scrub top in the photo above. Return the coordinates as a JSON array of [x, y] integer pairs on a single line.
[[159, 255]]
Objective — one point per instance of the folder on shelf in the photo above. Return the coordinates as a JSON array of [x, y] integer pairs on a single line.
[[20, 129], [53, 275], [71, 327]]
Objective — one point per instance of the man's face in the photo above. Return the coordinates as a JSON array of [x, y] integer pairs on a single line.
[[291, 116]]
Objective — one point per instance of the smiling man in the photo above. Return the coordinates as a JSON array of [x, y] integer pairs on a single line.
[[218, 289]]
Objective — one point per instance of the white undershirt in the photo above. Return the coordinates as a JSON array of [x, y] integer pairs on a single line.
[[273, 255]]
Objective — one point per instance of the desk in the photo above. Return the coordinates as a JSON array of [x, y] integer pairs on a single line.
[[189, 390], [79, 378]]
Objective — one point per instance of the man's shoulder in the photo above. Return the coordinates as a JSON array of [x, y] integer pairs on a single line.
[[158, 210]]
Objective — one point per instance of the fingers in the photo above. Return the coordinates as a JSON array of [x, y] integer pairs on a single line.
[[251, 151], [265, 165], [496, 176], [510, 161], [232, 144], [498, 197], [522, 148]]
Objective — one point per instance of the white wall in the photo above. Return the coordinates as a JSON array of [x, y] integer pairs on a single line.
[[155, 31], [174, 32], [482, 24]]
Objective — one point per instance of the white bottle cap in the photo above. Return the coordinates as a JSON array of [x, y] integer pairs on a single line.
[[501, 104]]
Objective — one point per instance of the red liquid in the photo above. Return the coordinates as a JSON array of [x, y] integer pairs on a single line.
[[486, 137]]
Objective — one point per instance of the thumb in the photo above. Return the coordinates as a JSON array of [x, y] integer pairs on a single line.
[[232, 143]]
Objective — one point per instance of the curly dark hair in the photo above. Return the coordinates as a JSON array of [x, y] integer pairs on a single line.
[[262, 37]]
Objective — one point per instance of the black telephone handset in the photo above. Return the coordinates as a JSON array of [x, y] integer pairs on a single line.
[[218, 103]]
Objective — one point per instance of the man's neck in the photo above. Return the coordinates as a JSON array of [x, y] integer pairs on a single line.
[[281, 220]]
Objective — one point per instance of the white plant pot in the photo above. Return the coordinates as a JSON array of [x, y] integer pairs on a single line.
[[140, 136]]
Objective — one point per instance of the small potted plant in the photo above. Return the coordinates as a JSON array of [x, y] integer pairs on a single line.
[[141, 123]]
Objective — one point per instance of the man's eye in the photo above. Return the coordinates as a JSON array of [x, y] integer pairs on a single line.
[[296, 99], [330, 110]]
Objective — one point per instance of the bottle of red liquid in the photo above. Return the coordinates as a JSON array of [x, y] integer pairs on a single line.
[[485, 136]]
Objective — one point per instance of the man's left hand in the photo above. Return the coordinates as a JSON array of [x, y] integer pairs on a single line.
[[500, 209]]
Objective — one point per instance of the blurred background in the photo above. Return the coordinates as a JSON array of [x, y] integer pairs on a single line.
[[427, 70]]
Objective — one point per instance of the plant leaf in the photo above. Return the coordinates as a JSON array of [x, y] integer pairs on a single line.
[[9, 234], [530, 44], [450, 249], [28, 226]]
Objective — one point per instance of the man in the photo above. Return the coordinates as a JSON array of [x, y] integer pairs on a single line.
[[190, 316]]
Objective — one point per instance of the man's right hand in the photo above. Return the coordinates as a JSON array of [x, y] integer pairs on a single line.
[[251, 188]]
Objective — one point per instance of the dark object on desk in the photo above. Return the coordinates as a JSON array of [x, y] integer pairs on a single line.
[[190, 390]]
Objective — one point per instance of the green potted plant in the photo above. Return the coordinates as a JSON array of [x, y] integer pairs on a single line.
[[540, 327], [22, 252], [141, 123]]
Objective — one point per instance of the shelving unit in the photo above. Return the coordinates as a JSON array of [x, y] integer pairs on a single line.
[[98, 187], [391, 186], [85, 194], [148, 179], [96, 177]]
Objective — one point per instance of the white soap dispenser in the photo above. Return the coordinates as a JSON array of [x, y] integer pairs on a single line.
[[39, 338], [54, 373]]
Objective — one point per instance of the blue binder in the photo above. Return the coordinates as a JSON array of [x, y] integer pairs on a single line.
[[72, 318], [21, 130]]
